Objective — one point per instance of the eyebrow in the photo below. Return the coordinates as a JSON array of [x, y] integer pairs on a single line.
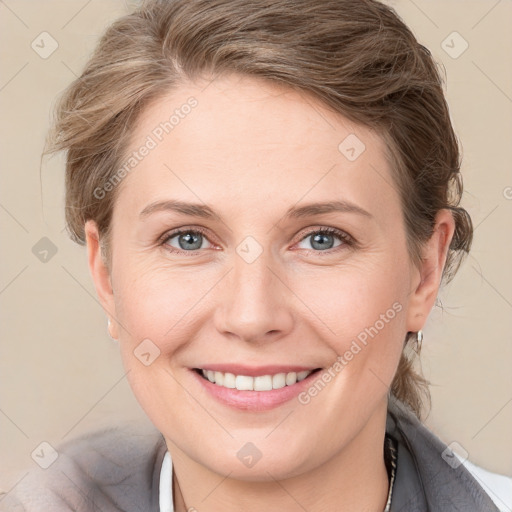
[[332, 206], [191, 209], [205, 212]]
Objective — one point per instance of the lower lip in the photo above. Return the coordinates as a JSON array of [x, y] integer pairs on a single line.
[[255, 400]]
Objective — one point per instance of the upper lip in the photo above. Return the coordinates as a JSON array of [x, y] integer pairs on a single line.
[[255, 371]]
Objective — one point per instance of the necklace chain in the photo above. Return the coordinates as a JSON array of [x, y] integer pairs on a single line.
[[391, 457]]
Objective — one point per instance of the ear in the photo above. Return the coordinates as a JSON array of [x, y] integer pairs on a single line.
[[100, 275], [427, 279]]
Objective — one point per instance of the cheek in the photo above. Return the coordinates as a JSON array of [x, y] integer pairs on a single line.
[[360, 313], [350, 297], [155, 308], [157, 303]]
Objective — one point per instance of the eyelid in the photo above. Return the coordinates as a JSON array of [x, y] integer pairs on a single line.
[[346, 238], [178, 231]]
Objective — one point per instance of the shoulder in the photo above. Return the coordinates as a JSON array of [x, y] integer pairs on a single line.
[[498, 487], [112, 469], [427, 476]]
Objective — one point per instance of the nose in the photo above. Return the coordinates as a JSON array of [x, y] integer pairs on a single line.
[[254, 302]]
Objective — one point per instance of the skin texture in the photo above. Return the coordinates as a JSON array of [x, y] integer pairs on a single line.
[[251, 150]]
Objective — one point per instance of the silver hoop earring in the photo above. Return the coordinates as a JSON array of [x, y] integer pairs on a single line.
[[419, 339], [108, 330]]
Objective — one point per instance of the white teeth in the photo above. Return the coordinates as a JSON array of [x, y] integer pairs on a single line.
[[291, 378], [263, 383], [229, 381], [260, 383], [279, 381], [219, 378], [243, 383], [302, 375]]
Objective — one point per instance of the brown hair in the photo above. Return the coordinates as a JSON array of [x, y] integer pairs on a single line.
[[356, 56]]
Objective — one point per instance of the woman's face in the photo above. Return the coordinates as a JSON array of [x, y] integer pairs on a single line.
[[252, 174]]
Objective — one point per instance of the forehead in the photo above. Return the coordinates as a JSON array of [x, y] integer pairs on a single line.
[[248, 140]]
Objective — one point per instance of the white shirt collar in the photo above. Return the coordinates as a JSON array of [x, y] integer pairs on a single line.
[[165, 489]]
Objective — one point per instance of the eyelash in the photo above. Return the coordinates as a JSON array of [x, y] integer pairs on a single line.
[[347, 240]]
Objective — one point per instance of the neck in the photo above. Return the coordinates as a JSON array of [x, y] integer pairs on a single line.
[[355, 478]]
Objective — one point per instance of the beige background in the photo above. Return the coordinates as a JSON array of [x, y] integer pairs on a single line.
[[60, 373]]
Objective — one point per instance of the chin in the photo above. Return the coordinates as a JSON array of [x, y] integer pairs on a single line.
[[250, 464]]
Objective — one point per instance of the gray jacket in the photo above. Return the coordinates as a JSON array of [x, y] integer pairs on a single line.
[[118, 469]]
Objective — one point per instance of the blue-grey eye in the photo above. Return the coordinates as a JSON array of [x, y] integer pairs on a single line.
[[187, 240], [322, 241]]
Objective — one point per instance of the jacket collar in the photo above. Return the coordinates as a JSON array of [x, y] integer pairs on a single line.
[[424, 481]]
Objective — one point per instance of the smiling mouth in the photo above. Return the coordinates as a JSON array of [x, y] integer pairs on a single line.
[[259, 383]]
